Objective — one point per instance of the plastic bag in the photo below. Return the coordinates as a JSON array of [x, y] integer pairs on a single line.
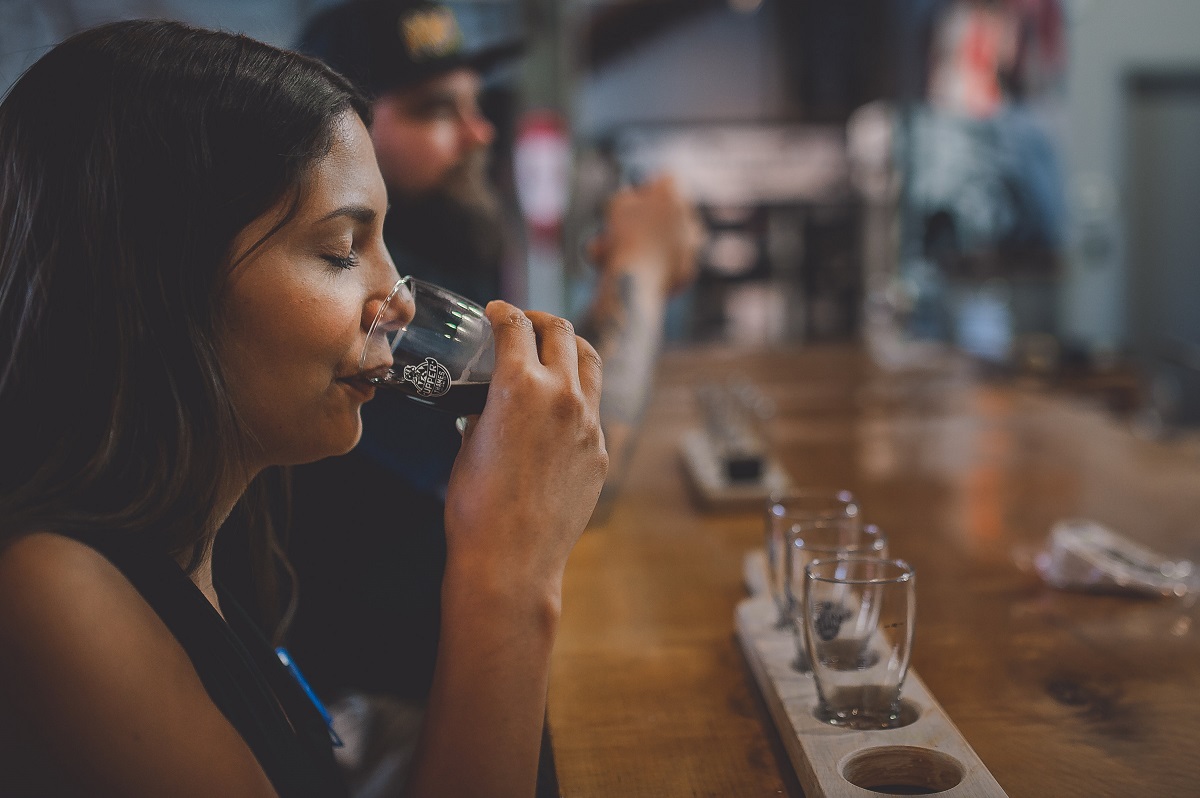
[[1084, 555]]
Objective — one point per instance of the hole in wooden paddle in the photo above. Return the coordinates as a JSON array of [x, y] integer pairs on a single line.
[[903, 770]]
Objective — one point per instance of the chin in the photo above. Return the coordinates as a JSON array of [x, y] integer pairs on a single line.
[[346, 449], [347, 443], [333, 446]]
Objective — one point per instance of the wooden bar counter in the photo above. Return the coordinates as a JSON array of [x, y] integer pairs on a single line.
[[1061, 694]]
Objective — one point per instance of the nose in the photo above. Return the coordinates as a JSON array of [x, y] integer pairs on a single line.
[[477, 131], [393, 312], [382, 319]]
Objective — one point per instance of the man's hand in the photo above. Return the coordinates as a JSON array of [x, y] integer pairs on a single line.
[[651, 230]]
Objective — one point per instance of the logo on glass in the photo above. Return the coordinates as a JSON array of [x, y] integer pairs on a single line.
[[829, 618], [430, 378]]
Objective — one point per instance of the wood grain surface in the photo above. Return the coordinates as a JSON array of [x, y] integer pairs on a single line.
[[1060, 694]]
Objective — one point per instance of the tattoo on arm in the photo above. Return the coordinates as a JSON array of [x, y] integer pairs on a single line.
[[628, 336]]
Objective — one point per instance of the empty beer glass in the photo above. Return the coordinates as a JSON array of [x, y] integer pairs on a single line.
[[785, 511], [859, 617], [822, 539]]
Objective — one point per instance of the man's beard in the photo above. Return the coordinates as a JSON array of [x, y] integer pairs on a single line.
[[456, 226]]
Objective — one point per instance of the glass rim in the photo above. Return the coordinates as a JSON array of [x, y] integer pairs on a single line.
[[907, 572], [779, 500], [874, 543], [809, 491], [410, 282]]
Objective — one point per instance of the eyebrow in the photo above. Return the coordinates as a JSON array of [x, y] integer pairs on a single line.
[[432, 98], [359, 213]]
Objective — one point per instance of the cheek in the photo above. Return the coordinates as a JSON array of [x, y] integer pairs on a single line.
[[250, 354], [286, 333], [265, 325], [320, 327]]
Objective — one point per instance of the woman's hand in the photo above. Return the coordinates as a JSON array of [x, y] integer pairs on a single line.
[[531, 466], [522, 490]]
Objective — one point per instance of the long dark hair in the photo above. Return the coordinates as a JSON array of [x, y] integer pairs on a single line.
[[130, 156]]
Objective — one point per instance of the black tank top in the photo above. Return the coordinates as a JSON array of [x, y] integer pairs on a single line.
[[241, 674]]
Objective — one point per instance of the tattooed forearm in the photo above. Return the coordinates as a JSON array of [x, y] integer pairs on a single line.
[[646, 253], [625, 326], [627, 332]]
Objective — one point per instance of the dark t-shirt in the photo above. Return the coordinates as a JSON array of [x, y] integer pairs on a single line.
[[240, 672]]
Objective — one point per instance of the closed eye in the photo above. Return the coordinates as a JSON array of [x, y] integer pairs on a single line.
[[343, 261]]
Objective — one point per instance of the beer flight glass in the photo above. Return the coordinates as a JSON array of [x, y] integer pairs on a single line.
[[823, 538], [859, 618], [443, 358], [784, 513]]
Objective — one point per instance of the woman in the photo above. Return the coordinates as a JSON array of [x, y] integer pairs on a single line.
[[190, 255]]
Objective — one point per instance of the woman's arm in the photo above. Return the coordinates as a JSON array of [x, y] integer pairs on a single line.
[[100, 689], [522, 490]]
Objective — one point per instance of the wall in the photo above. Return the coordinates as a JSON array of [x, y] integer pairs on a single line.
[[1108, 39], [28, 29], [721, 66]]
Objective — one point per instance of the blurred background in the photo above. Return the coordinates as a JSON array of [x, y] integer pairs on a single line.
[[1015, 179]]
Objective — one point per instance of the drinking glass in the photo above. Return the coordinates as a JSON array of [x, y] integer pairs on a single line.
[[822, 539], [859, 617], [444, 357], [784, 511]]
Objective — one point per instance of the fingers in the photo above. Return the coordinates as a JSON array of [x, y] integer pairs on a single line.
[[624, 202], [556, 343], [516, 345], [525, 339], [591, 371], [664, 184]]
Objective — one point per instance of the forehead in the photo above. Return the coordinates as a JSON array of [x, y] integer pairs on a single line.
[[348, 174], [346, 177], [455, 83]]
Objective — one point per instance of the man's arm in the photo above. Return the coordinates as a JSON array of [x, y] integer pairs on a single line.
[[646, 254]]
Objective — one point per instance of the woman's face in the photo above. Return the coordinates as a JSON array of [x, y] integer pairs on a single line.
[[296, 311]]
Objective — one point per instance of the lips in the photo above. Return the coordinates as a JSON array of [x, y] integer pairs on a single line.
[[359, 385], [375, 372]]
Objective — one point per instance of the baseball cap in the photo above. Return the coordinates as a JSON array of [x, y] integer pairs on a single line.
[[383, 45]]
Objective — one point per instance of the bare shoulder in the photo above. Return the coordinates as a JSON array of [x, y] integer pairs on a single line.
[[57, 592], [87, 666], [43, 563]]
